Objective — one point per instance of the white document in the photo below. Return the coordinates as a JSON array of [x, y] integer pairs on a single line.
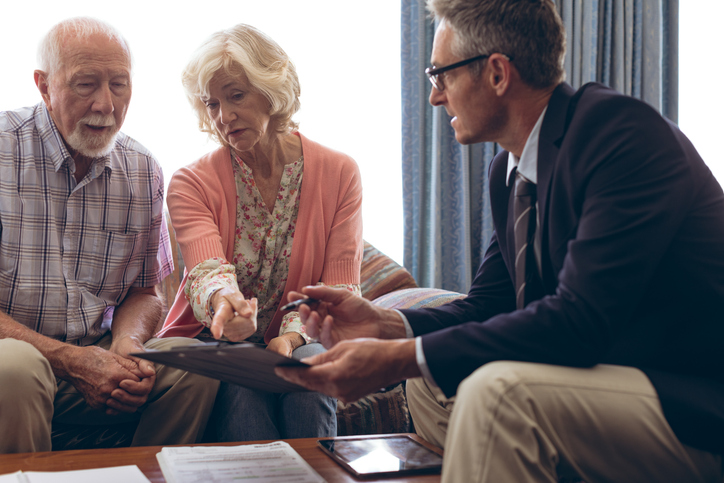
[[12, 477], [272, 462], [115, 474]]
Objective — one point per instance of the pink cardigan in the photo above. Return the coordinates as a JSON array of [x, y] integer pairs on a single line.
[[327, 244]]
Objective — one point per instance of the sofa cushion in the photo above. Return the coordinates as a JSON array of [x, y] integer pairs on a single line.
[[381, 274], [378, 413], [416, 298]]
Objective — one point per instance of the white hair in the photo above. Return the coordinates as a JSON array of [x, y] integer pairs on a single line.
[[246, 49], [50, 49]]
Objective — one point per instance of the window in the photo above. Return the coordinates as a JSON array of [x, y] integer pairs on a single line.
[[333, 44], [701, 103]]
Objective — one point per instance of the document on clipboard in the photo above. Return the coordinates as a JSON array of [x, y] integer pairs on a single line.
[[245, 364]]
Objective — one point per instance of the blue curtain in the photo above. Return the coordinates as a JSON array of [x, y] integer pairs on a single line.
[[630, 45], [447, 217]]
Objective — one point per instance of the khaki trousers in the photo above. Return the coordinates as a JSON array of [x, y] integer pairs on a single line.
[[522, 422], [31, 398]]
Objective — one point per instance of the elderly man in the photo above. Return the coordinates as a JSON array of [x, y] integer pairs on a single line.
[[82, 245], [589, 343]]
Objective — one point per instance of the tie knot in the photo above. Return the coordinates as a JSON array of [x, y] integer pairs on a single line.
[[523, 187]]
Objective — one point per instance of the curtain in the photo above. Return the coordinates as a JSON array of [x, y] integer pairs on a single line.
[[630, 45], [446, 214]]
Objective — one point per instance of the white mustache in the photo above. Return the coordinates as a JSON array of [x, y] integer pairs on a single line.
[[98, 120]]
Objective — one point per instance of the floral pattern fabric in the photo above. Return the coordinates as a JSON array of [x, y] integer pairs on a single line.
[[262, 249]]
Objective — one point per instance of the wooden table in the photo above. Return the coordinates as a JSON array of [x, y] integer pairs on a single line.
[[145, 458]]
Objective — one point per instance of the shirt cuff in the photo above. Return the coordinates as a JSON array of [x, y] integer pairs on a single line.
[[419, 353], [292, 323]]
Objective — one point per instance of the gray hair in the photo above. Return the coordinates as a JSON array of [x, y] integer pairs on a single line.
[[50, 49], [246, 49], [529, 31]]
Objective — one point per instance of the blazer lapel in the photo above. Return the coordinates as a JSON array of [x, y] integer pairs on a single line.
[[552, 131]]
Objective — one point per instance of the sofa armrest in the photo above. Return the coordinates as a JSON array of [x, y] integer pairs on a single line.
[[381, 275]]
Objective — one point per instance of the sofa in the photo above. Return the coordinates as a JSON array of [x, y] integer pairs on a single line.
[[383, 281]]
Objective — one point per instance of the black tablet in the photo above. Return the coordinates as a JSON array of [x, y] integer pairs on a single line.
[[394, 455]]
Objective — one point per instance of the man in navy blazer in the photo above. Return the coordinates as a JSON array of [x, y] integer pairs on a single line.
[[612, 370]]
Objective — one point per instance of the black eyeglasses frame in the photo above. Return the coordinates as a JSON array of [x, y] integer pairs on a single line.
[[434, 72]]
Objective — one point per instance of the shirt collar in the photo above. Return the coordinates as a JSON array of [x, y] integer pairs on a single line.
[[55, 147], [527, 164]]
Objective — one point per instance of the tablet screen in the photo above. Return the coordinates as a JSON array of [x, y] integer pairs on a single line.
[[386, 455]]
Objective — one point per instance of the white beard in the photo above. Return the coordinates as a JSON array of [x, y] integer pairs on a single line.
[[93, 145]]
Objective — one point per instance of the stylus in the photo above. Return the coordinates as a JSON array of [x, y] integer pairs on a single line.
[[297, 303]]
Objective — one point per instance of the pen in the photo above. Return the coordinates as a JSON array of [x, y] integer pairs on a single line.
[[297, 303]]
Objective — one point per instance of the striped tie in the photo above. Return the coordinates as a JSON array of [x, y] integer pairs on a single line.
[[524, 231]]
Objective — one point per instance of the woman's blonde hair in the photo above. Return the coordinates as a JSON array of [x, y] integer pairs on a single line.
[[268, 69]]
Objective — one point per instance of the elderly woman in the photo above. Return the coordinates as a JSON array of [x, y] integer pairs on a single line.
[[268, 212]]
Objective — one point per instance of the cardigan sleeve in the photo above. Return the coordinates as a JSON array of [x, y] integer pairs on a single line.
[[199, 209], [343, 255]]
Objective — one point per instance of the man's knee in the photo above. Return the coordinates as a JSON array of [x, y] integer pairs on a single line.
[[27, 392], [24, 373], [170, 342], [493, 380]]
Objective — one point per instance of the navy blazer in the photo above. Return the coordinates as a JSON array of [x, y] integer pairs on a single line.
[[632, 241]]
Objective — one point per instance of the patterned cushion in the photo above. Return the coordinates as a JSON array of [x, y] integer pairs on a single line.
[[381, 275], [416, 298], [378, 413]]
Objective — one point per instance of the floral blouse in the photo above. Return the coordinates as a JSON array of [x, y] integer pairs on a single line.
[[262, 250]]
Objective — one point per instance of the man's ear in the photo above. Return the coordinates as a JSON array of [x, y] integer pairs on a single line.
[[499, 73], [41, 81]]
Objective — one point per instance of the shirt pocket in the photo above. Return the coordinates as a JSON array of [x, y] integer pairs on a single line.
[[110, 263]]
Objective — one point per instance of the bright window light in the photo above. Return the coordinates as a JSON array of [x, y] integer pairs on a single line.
[[347, 56], [701, 103]]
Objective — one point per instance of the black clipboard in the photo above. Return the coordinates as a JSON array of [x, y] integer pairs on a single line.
[[246, 364]]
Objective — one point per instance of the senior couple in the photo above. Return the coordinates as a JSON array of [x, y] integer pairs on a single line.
[[83, 243], [587, 347]]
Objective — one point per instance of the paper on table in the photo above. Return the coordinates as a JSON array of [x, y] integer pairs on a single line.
[[245, 364], [12, 477], [273, 463], [115, 474]]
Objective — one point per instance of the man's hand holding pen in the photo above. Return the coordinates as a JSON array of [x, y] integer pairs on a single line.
[[351, 368]]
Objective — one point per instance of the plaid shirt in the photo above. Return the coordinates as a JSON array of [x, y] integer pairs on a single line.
[[69, 252]]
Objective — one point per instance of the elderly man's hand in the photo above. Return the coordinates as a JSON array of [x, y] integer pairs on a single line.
[[131, 394], [354, 368], [234, 317], [341, 315], [108, 380]]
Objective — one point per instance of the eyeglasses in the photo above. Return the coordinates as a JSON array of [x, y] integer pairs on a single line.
[[434, 73]]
